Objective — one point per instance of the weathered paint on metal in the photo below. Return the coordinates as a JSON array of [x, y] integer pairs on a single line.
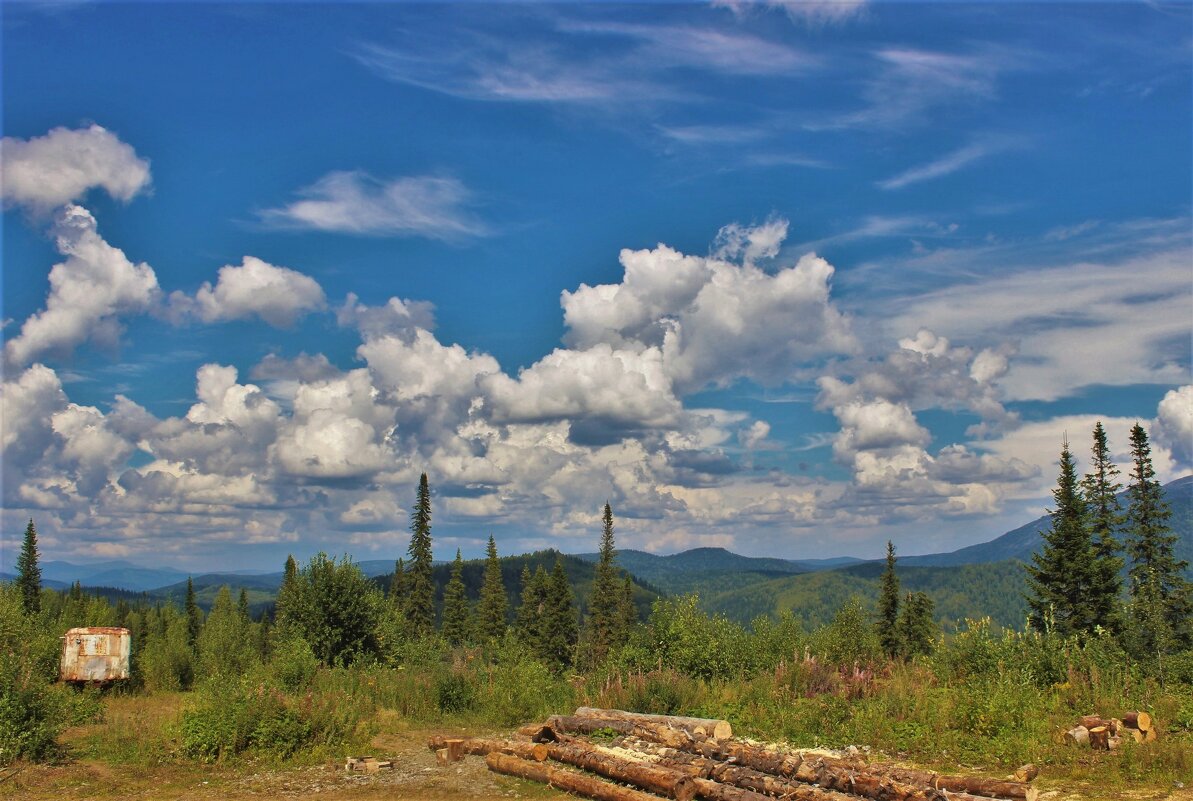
[[97, 655]]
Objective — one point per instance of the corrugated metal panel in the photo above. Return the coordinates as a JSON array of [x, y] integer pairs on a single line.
[[98, 654]]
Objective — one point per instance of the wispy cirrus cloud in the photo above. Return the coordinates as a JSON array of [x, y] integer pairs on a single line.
[[814, 13], [574, 60], [354, 202], [906, 84], [948, 163]]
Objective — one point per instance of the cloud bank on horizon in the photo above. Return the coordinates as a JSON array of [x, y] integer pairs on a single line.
[[902, 376]]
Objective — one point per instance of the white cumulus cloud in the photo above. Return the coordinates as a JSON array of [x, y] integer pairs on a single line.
[[278, 295], [89, 292], [715, 320], [1174, 424], [44, 172]]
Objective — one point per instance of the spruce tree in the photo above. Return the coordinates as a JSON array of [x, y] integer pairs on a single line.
[[1062, 577], [627, 610], [602, 605], [420, 583], [455, 605], [397, 585], [1156, 579], [917, 628], [533, 605], [242, 605], [560, 629], [888, 607], [286, 603], [1100, 489], [29, 572], [491, 609], [194, 617]]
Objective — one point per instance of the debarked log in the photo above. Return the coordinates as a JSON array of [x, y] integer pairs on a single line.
[[698, 728], [812, 770], [657, 779], [481, 746], [557, 724], [566, 780]]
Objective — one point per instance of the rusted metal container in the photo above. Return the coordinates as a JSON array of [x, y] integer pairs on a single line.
[[96, 655]]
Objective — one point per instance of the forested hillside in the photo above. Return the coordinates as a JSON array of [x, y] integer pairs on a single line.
[[967, 591]]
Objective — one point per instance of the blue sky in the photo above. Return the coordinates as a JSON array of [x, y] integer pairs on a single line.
[[788, 278]]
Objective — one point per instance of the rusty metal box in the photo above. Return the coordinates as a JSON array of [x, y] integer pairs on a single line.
[[96, 655]]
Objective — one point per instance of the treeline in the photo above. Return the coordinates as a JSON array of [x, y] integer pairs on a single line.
[[1076, 581], [345, 617]]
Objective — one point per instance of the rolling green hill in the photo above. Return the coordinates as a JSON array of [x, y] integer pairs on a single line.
[[580, 574], [993, 590]]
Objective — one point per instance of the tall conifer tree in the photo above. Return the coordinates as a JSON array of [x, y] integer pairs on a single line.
[[602, 606], [29, 572], [455, 605], [286, 603], [627, 610], [194, 617], [917, 628], [1061, 578], [1158, 588], [1100, 491], [491, 609], [397, 585], [532, 610], [420, 594], [888, 606], [560, 629]]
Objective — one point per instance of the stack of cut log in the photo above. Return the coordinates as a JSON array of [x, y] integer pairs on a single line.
[[684, 758], [1107, 734]]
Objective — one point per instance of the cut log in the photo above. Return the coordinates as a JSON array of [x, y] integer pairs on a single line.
[[1150, 736], [698, 728], [584, 725], [812, 770], [455, 749], [1116, 727], [1026, 773], [765, 783], [715, 791], [1137, 720], [481, 746], [1090, 721], [1137, 735], [1099, 737], [699, 767], [770, 772], [566, 780], [656, 779], [1113, 743], [442, 759], [1078, 735]]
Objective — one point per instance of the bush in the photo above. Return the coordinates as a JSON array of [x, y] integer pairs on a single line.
[[454, 693], [32, 710], [292, 663]]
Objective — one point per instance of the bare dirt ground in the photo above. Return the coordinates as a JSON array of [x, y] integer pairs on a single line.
[[415, 776]]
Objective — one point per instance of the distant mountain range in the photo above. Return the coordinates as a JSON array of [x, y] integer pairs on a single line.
[[978, 580]]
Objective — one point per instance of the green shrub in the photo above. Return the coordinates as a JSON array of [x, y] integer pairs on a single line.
[[454, 693], [293, 663], [32, 710]]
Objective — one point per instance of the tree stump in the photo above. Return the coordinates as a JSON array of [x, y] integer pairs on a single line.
[[1078, 735]]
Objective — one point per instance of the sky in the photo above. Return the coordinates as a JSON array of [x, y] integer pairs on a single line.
[[793, 279]]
